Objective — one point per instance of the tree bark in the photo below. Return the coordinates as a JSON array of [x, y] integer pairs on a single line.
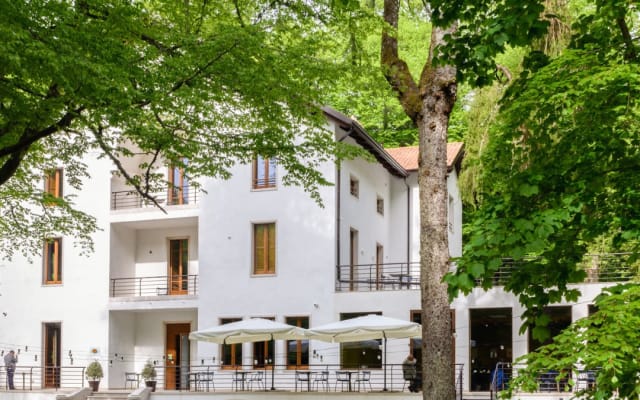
[[436, 96]]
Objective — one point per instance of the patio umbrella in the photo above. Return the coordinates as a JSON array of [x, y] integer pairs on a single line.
[[366, 328], [251, 330]]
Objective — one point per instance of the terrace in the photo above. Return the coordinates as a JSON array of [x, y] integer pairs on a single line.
[[599, 268]]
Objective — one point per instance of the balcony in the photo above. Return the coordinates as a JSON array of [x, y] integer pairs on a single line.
[[600, 268], [154, 286], [131, 199], [377, 277]]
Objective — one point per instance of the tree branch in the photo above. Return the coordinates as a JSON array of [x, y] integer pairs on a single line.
[[396, 70], [97, 133], [630, 50]]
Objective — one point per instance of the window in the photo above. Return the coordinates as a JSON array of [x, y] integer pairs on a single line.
[[380, 205], [231, 354], [560, 318], [264, 173], [264, 249], [178, 266], [354, 187], [364, 354], [53, 183], [52, 261], [178, 187], [298, 350], [263, 352]]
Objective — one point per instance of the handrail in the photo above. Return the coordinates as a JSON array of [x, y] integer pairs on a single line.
[[377, 277], [164, 285], [129, 199]]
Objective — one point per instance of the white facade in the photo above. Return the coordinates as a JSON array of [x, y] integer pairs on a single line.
[[117, 306]]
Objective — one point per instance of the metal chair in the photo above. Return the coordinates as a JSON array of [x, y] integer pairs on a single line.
[[302, 377], [343, 378], [321, 378], [256, 377], [205, 379], [131, 377], [363, 378]]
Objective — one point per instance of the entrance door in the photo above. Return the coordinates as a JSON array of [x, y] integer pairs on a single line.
[[52, 355], [177, 356], [491, 343], [178, 266]]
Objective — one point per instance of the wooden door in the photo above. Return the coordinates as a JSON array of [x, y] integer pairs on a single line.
[[178, 266], [51, 355], [176, 356]]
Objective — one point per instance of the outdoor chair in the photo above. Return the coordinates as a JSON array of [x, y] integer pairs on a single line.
[[130, 378], [321, 378], [303, 378], [363, 378], [343, 378], [257, 378], [205, 379], [239, 378]]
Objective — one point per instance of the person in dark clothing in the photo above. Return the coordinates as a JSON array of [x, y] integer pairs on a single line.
[[10, 361]]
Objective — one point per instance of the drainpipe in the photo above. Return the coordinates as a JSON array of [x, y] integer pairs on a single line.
[[338, 195], [408, 225]]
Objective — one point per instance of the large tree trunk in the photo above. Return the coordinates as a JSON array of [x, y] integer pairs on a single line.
[[428, 104], [439, 96]]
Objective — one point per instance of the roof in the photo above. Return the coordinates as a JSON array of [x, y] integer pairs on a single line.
[[398, 161], [408, 156], [357, 132]]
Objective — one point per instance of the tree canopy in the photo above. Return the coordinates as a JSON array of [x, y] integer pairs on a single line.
[[211, 82], [560, 164]]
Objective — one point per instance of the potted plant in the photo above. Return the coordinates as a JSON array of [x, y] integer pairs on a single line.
[[94, 373], [149, 375]]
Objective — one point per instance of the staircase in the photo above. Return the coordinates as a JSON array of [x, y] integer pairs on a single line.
[[109, 395]]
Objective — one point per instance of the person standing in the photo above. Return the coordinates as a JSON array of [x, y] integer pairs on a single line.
[[10, 361], [409, 372]]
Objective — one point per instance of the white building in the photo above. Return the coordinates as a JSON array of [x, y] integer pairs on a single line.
[[249, 247]]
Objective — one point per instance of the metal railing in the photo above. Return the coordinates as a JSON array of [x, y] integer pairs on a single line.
[[377, 277], [167, 285], [322, 378], [547, 381], [600, 268], [129, 199], [32, 378]]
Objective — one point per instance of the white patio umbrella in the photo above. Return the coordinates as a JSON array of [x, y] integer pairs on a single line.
[[251, 330], [366, 328]]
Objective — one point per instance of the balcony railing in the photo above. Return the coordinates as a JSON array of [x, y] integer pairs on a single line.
[[600, 268], [377, 277], [33, 378], [172, 285], [129, 199]]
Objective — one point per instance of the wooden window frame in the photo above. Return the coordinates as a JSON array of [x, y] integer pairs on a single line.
[[53, 183], [52, 245], [380, 205], [264, 180], [233, 348], [176, 191], [268, 347], [297, 321], [268, 248]]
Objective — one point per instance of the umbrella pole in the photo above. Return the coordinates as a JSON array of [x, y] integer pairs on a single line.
[[273, 364], [385, 364]]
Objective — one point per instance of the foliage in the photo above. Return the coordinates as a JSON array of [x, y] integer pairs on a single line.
[[94, 371], [606, 342], [148, 372], [561, 167], [199, 85]]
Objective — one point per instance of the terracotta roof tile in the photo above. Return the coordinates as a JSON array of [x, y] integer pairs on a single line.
[[408, 156]]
